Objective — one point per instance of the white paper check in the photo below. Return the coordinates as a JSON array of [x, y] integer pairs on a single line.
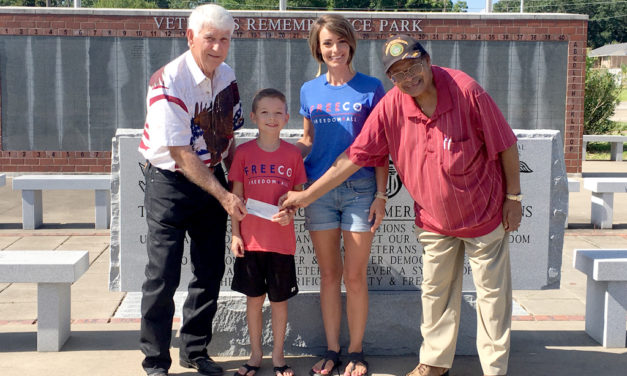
[[261, 209]]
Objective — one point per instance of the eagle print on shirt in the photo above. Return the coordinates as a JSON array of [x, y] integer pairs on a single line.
[[215, 123]]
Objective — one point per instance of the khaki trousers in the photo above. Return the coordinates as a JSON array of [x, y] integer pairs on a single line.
[[443, 262]]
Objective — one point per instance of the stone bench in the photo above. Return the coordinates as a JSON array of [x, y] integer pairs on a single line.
[[573, 186], [616, 145], [32, 186], [54, 272], [606, 293], [602, 201]]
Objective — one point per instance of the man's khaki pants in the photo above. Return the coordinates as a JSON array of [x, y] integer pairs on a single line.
[[443, 263]]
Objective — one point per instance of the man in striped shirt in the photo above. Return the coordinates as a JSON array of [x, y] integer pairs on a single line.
[[193, 107], [458, 159]]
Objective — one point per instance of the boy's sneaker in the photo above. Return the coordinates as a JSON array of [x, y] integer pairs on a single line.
[[205, 366]]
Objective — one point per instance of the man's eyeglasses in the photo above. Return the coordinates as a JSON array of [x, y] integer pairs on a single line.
[[409, 73]]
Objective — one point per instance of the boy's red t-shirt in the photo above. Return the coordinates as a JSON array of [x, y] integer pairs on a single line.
[[266, 176]]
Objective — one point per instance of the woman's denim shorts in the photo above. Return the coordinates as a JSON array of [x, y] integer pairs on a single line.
[[346, 206]]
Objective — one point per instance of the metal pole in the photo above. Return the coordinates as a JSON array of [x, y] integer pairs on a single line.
[[282, 5], [488, 6], [522, 3], [77, 3]]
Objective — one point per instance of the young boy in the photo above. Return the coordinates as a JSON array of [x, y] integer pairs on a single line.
[[264, 169]]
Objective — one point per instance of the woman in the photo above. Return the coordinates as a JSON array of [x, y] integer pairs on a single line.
[[335, 107]]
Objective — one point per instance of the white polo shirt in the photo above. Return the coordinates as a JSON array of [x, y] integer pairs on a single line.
[[184, 107]]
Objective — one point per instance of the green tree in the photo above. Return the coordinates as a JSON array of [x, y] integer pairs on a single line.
[[460, 6], [371, 5], [606, 18], [34, 3], [136, 4], [601, 99]]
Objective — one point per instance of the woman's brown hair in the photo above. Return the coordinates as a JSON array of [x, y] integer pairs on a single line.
[[338, 25]]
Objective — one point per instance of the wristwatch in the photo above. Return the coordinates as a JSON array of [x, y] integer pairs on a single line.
[[382, 195], [517, 197]]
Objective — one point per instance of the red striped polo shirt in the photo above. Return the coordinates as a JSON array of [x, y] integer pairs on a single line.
[[450, 162]]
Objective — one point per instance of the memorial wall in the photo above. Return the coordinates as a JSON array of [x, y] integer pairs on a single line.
[[70, 77]]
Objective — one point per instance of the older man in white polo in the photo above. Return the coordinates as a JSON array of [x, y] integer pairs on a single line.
[[193, 107]]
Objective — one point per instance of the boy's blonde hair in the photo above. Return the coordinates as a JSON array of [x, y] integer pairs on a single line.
[[338, 25], [268, 93]]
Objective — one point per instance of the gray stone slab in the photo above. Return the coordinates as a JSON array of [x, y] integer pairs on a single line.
[[393, 325], [616, 144], [394, 270], [395, 262], [3, 180], [53, 315], [573, 186], [32, 203], [102, 208], [615, 312], [34, 182], [605, 184], [43, 266], [130, 307], [606, 293], [602, 209], [606, 307], [602, 264], [536, 248], [32, 209], [54, 272], [604, 138], [602, 198]]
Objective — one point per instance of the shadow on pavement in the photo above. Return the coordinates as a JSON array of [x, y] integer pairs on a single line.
[[588, 226], [51, 226]]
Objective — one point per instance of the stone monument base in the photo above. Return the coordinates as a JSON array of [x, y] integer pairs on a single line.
[[393, 325]]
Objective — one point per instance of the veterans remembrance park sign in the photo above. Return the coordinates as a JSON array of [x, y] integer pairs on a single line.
[[252, 24]]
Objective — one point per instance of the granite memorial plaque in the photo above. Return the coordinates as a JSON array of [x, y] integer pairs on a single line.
[[395, 267], [396, 256]]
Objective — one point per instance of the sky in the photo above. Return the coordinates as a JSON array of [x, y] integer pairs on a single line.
[[476, 5]]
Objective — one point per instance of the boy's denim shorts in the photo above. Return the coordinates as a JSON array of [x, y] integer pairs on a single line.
[[346, 206]]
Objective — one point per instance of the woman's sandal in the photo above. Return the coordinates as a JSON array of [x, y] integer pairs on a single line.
[[329, 356], [281, 369], [356, 358], [249, 368]]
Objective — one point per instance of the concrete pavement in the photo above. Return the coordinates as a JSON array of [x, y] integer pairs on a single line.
[[548, 339]]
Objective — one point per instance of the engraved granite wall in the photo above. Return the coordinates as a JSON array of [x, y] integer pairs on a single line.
[[394, 270]]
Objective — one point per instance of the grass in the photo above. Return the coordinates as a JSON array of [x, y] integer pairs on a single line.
[[600, 151]]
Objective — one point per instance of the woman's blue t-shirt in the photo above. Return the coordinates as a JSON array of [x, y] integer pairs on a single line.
[[337, 113]]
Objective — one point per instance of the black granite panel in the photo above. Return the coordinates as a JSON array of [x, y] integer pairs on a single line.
[[71, 93]]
